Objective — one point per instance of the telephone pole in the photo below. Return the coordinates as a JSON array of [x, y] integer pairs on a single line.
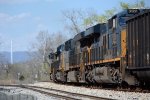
[[11, 53]]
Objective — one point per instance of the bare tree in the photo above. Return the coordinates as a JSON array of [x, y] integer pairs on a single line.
[[44, 45], [58, 39], [74, 20], [4, 65], [79, 20]]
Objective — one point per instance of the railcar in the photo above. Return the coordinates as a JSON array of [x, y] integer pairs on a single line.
[[115, 52]]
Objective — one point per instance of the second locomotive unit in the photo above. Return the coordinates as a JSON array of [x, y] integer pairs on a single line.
[[114, 52]]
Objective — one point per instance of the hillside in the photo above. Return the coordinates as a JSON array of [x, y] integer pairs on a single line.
[[18, 56]]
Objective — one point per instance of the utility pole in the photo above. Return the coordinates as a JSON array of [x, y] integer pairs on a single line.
[[138, 3], [11, 53]]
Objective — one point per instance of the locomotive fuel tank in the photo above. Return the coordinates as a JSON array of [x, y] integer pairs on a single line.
[[72, 76]]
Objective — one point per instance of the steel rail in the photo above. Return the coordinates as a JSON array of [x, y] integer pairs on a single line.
[[69, 96]]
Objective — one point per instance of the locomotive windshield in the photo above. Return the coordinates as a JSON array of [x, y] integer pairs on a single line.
[[122, 21], [112, 23]]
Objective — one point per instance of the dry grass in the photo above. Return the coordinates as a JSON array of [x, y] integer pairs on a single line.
[[7, 82]]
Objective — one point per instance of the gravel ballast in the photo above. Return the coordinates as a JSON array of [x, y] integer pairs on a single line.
[[121, 95]]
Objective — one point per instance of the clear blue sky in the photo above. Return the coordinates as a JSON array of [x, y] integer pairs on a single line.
[[21, 20]]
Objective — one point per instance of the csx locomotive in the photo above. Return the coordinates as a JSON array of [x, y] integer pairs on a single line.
[[108, 53]]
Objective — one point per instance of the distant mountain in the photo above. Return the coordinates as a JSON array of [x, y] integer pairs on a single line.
[[18, 56]]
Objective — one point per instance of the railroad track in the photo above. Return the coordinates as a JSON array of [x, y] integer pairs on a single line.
[[60, 93], [113, 87]]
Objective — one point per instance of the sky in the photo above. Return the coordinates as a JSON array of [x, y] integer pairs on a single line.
[[21, 20]]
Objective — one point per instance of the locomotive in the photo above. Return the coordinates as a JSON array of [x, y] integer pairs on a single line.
[[115, 52]]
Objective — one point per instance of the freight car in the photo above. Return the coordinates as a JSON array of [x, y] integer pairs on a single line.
[[115, 52]]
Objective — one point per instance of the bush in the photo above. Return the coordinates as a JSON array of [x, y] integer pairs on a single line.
[[21, 78]]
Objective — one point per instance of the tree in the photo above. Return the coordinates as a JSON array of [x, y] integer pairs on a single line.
[[42, 47], [138, 5], [4, 65], [79, 20], [95, 18], [73, 21], [45, 44], [58, 39], [91, 19]]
